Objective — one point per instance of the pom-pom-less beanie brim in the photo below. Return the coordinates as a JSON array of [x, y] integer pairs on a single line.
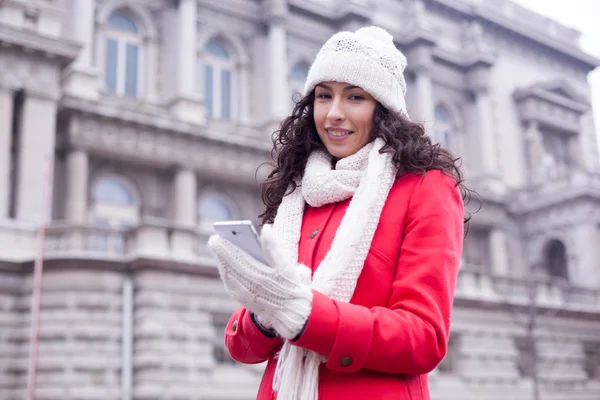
[[366, 58]]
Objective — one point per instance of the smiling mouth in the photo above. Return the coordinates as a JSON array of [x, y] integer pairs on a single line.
[[336, 133]]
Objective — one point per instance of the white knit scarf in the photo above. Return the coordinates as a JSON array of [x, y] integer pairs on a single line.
[[367, 177]]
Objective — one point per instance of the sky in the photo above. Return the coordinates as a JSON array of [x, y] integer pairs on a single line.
[[581, 15]]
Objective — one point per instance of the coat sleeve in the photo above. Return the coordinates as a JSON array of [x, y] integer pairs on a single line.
[[245, 342], [410, 335]]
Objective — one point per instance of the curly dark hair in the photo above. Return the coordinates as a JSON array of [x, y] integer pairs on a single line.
[[413, 152]]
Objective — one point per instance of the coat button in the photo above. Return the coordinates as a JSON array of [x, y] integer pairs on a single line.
[[345, 361], [234, 326], [314, 233]]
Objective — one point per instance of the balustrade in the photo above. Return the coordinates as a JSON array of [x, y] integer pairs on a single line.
[[475, 284], [151, 239], [161, 240]]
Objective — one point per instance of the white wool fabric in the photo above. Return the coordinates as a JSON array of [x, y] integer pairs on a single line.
[[367, 58], [367, 178], [278, 292]]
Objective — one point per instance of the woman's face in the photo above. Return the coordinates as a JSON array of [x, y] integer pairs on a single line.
[[344, 117]]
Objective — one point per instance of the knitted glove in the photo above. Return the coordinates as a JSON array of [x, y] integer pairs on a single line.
[[278, 293]]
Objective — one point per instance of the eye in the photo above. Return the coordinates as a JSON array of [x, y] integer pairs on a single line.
[[323, 96], [357, 97]]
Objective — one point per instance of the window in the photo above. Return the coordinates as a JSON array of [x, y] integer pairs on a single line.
[[298, 75], [214, 209], [113, 191], [114, 210], [121, 55], [476, 250], [444, 128], [218, 81], [555, 258]]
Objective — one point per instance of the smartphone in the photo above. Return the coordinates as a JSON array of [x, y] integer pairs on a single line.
[[243, 234]]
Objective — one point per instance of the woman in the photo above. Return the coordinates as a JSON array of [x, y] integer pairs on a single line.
[[362, 234]]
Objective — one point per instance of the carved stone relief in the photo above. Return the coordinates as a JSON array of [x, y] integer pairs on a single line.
[[30, 71], [560, 215], [165, 148], [224, 21]]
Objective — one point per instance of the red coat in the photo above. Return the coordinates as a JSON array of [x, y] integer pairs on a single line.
[[395, 329]]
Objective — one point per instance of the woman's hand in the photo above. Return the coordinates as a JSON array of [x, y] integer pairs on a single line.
[[278, 293]]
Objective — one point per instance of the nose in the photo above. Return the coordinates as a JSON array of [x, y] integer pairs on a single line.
[[336, 113]]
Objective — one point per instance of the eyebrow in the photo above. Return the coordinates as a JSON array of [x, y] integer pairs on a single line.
[[349, 87]]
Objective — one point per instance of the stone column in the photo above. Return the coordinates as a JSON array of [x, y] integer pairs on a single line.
[[420, 63], [424, 87], [36, 152], [185, 197], [6, 118], [486, 146], [498, 252], [489, 160], [77, 186], [184, 239], [148, 87], [243, 85], [187, 103], [278, 68], [81, 78], [187, 35]]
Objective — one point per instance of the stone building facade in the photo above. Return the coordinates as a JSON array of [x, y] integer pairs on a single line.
[[130, 125]]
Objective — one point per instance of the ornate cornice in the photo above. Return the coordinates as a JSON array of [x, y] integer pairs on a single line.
[[61, 49], [493, 14], [547, 198], [359, 12], [165, 144], [243, 15], [38, 75], [558, 92], [553, 104], [310, 30], [419, 36], [135, 112], [340, 13], [242, 9]]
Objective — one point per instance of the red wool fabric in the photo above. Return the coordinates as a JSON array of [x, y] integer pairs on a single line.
[[395, 329]]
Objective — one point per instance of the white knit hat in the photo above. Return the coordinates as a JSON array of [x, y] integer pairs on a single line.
[[366, 58]]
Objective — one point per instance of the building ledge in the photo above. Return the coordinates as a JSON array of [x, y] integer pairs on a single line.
[[63, 49], [342, 11], [155, 242], [547, 33], [483, 287], [161, 244], [554, 104], [155, 117], [553, 192]]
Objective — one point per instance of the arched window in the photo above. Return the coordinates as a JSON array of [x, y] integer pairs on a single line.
[[113, 191], [122, 44], [443, 129], [114, 208], [556, 262], [297, 78], [114, 203], [214, 209], [218, 80]]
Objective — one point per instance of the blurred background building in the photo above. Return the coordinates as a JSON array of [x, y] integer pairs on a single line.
[[131, 125]]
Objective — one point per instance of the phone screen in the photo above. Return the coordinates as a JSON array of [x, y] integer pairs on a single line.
[[243, 235]]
